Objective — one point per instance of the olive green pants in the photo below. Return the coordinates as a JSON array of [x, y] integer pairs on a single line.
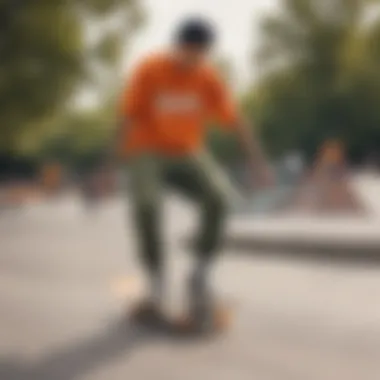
[[197, 177]]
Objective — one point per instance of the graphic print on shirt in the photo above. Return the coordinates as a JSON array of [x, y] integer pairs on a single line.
[[171, 103]]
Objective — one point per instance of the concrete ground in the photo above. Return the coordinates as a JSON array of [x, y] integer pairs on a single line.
[[67, 279]]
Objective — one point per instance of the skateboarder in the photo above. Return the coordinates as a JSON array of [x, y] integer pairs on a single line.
[[168, 102]]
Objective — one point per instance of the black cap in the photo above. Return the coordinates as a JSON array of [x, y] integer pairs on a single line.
[[196, 31]]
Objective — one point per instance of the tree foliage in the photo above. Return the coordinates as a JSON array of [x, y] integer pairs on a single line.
[[49, 50], [321, 77]]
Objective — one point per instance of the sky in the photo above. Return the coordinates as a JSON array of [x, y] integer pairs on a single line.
[[236, 22]]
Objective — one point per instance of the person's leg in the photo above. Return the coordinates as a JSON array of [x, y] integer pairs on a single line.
[[200, 178], [145, 189]]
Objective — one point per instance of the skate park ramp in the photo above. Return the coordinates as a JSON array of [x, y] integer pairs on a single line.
[[273, 200], [367, 187], [307, 194]]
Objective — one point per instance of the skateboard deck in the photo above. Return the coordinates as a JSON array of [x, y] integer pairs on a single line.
[[182, 324]]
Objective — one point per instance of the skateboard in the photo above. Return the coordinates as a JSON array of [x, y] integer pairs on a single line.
[[182, 325]]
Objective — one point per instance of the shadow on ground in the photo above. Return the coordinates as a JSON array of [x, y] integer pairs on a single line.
[[76, 360]]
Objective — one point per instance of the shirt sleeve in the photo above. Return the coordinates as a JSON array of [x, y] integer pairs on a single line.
[[135, 97], [221, 107]]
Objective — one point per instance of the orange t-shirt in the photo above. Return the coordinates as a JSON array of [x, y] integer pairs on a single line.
[[168, 106]]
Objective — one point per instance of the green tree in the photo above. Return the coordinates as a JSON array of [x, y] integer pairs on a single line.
[[51, 49], [321, 76]]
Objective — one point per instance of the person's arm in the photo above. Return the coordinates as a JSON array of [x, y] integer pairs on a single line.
[[222, 108], [257, 161], [132, 106]]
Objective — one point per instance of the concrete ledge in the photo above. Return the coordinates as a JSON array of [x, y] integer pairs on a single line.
[[350, 238]]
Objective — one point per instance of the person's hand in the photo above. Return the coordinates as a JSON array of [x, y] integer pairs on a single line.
[[262, 177], [266, 177]]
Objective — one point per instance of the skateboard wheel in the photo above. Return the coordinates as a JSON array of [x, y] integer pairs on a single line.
[[220, 321]]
